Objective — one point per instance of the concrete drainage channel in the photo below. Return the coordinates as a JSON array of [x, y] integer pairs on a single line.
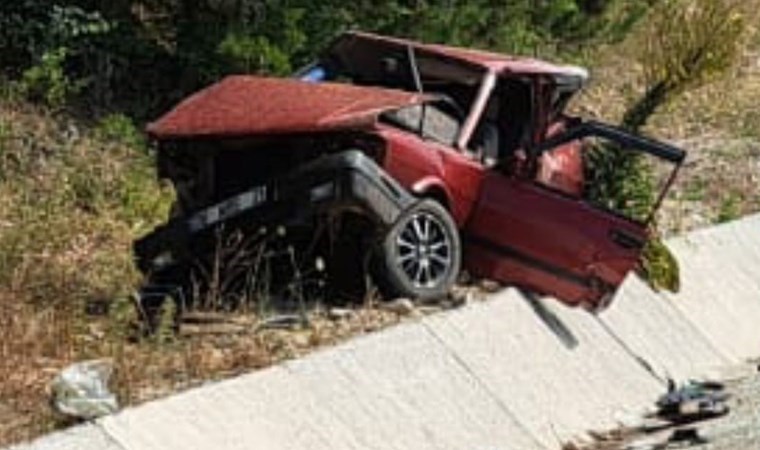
[[511, 373]]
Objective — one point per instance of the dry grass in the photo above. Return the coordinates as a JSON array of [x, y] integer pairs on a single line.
[[719, 125], [69, 208]]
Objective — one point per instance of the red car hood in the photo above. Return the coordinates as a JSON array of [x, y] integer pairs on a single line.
[[248, 105]]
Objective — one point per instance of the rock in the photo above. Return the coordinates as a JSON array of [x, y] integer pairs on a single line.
[[400, 306], [490, 286], [214, 357], [645, 444], [301, 339], [461, 297], [96, 331], [464, 278], [431, 309]]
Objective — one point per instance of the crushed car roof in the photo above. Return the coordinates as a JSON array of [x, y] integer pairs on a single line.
[[496, 62], [247, 105]]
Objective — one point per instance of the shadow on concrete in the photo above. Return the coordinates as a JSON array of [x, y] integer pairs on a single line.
[[551, 320]]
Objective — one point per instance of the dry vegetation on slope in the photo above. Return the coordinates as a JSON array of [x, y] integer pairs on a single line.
[[70, 203], [717, 123], [72, 199]]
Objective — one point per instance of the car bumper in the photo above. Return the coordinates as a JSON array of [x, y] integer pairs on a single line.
[[344, 181]]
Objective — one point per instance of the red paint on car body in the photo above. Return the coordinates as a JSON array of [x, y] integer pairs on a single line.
[[420, 165], [563, 167], [490, 61], [249, 106]]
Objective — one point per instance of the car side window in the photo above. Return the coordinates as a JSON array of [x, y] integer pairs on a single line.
[[431, 121]]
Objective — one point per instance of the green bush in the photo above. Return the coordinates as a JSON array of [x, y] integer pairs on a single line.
[[47, 81], [730, 208], [80, 204], [705, 44], [660, 267], [251, 54], [141, 63], [120, 129], [619, 180]]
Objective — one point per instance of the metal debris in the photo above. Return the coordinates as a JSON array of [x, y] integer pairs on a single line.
[[283, 321], [692, 402]]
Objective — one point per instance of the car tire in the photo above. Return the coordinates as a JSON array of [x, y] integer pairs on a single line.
[[419, 256]]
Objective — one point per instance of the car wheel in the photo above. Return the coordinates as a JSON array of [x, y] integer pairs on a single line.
[[420, 255]]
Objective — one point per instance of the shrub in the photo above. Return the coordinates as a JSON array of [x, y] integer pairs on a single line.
[[730, 208], [706, 44], [251, 54], [660, 267], [120, 129], [47, 82]]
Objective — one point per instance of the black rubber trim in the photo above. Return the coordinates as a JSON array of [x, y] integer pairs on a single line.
[[626, 240], [359, 181], [644, 144]]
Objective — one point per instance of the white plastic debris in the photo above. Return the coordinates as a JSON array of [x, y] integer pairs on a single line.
[[81, 390]]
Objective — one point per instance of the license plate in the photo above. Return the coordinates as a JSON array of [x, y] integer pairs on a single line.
[[229, 208]]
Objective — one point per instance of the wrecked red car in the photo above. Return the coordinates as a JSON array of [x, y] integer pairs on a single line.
[[404, 161]]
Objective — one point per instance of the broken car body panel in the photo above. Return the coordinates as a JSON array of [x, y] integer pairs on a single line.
[[250, 106], [353, 47]]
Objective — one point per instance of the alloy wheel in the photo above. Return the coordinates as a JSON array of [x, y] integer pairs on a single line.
[[424, 250]]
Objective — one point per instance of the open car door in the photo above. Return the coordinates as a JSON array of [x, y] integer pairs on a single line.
[[573, 247]]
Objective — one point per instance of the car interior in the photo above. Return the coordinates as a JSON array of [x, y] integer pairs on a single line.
[[506, 122], [382, 64]]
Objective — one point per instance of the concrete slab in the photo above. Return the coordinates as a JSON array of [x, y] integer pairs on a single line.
[[649, 326], [721, 286], [394, 390], [403, 389], [83, 437], [263, 410], [560, 375]]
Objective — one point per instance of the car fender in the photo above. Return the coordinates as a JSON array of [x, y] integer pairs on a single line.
[[433, 187]]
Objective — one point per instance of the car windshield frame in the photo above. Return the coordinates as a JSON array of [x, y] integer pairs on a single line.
[[318, 71]]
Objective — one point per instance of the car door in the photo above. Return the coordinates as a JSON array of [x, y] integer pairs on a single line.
[[533, 235]]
